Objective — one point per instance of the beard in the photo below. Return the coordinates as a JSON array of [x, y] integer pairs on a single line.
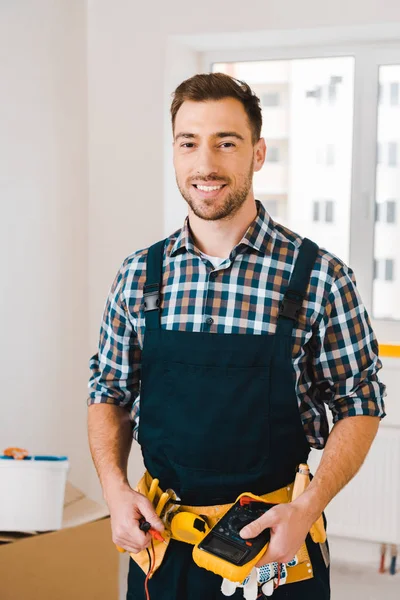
[[208, 211]]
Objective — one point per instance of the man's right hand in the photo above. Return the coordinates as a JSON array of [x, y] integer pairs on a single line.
[[127, 507]]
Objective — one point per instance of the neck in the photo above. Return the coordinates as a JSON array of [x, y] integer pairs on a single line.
[[218, 238]]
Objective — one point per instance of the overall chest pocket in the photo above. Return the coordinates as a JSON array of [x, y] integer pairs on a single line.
[[218, 416]]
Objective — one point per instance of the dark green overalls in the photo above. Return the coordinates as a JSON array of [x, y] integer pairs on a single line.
[[219, 416]]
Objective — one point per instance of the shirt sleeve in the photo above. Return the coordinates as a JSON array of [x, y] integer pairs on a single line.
[[345, 354], [115, 368]]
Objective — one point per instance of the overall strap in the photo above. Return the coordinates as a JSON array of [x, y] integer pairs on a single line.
[[296, 292], [152, 288]]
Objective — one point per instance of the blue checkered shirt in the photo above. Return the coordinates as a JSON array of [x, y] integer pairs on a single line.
[[335, 352]]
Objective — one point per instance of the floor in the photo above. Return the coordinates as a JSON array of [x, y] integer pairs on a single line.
[[353, 582], [349, 582]]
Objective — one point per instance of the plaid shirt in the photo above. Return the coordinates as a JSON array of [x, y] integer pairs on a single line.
[[335, 352]]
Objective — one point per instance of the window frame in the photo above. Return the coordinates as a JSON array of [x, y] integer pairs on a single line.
[[368, 58]]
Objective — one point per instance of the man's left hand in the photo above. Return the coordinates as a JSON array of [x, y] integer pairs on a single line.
[[289, 524]]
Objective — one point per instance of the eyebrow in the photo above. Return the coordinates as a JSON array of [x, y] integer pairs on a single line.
[[218, 134]]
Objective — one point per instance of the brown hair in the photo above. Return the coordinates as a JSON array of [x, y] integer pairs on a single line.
[[216, 86]]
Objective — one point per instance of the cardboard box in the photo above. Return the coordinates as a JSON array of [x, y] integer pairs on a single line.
[[78, 562]]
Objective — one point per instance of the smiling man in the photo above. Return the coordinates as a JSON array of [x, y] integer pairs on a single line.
[[220, 348]]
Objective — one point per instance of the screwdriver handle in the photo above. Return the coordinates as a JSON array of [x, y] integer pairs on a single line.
[[301, 483]]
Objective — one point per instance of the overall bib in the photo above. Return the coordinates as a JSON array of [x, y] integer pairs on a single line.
[[219, 416]]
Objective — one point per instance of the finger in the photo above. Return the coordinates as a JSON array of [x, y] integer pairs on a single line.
[[269, 519], [277, 550], [134, 547], [128, 545], [269, 556], [148, 512], [139, 540]]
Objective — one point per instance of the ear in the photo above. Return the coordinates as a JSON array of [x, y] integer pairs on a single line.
[[260, 150]]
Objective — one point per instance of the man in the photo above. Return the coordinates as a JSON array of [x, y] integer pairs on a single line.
[[221, 347]]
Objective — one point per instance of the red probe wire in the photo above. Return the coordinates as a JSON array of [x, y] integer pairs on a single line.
[[150, 571]]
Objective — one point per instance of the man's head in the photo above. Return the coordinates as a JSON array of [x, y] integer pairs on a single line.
[[216, 123]]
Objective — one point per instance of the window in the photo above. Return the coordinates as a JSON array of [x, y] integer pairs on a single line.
[[386, 211], [386, 236], [315, 93], [384, 269], [392, 154], [270, 99], [394, 94], [272, 154], [329, 211], [391, 211], [389, 269], [306, 132], [331, 93], [315, 211], [271, 206], [366, 154], [323, 211]]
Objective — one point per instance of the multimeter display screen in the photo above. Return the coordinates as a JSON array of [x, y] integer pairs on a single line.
[[228, 551]]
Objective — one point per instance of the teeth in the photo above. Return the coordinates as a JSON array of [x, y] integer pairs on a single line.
[[209, 188]]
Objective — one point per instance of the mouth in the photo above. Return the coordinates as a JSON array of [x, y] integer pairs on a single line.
[[209, 191]]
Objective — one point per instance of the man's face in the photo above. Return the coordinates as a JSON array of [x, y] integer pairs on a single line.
[[214, 157]]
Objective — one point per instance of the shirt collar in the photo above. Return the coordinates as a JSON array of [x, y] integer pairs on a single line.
[[258, 235]]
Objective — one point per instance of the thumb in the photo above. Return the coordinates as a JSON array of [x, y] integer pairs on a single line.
[[269, 519], [148, 512]]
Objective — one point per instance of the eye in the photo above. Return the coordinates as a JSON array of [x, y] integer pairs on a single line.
[[187, 145], [228, 144]]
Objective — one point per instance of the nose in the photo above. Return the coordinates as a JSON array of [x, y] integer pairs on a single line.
[[206, 162]]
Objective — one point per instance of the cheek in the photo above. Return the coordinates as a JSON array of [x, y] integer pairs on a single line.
[[183, 168]]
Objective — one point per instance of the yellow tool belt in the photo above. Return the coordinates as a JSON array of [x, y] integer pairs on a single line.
[[300, 572]]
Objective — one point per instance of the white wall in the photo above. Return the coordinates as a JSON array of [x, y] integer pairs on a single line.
[[60, 245], [43, 228]]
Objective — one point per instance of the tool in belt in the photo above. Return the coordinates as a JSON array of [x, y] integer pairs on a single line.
[[220, 549]]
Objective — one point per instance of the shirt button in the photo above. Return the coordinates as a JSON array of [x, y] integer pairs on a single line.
[[209, 320], [214, 274]]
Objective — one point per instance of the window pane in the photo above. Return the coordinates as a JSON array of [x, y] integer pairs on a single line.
[[392, 154], [271, 206], [313, 120], [380, 93], [329, 211], [272, 154], [387, 240], [391, 211], [394, 94], [389, 268], [315, 211], [271, 99]]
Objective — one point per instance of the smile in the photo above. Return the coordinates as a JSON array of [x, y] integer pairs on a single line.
[[209, 188]]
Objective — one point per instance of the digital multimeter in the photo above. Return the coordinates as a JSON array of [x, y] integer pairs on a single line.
[[223, 551]]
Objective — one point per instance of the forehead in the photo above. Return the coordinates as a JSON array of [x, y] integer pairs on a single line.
[[212, 115]]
